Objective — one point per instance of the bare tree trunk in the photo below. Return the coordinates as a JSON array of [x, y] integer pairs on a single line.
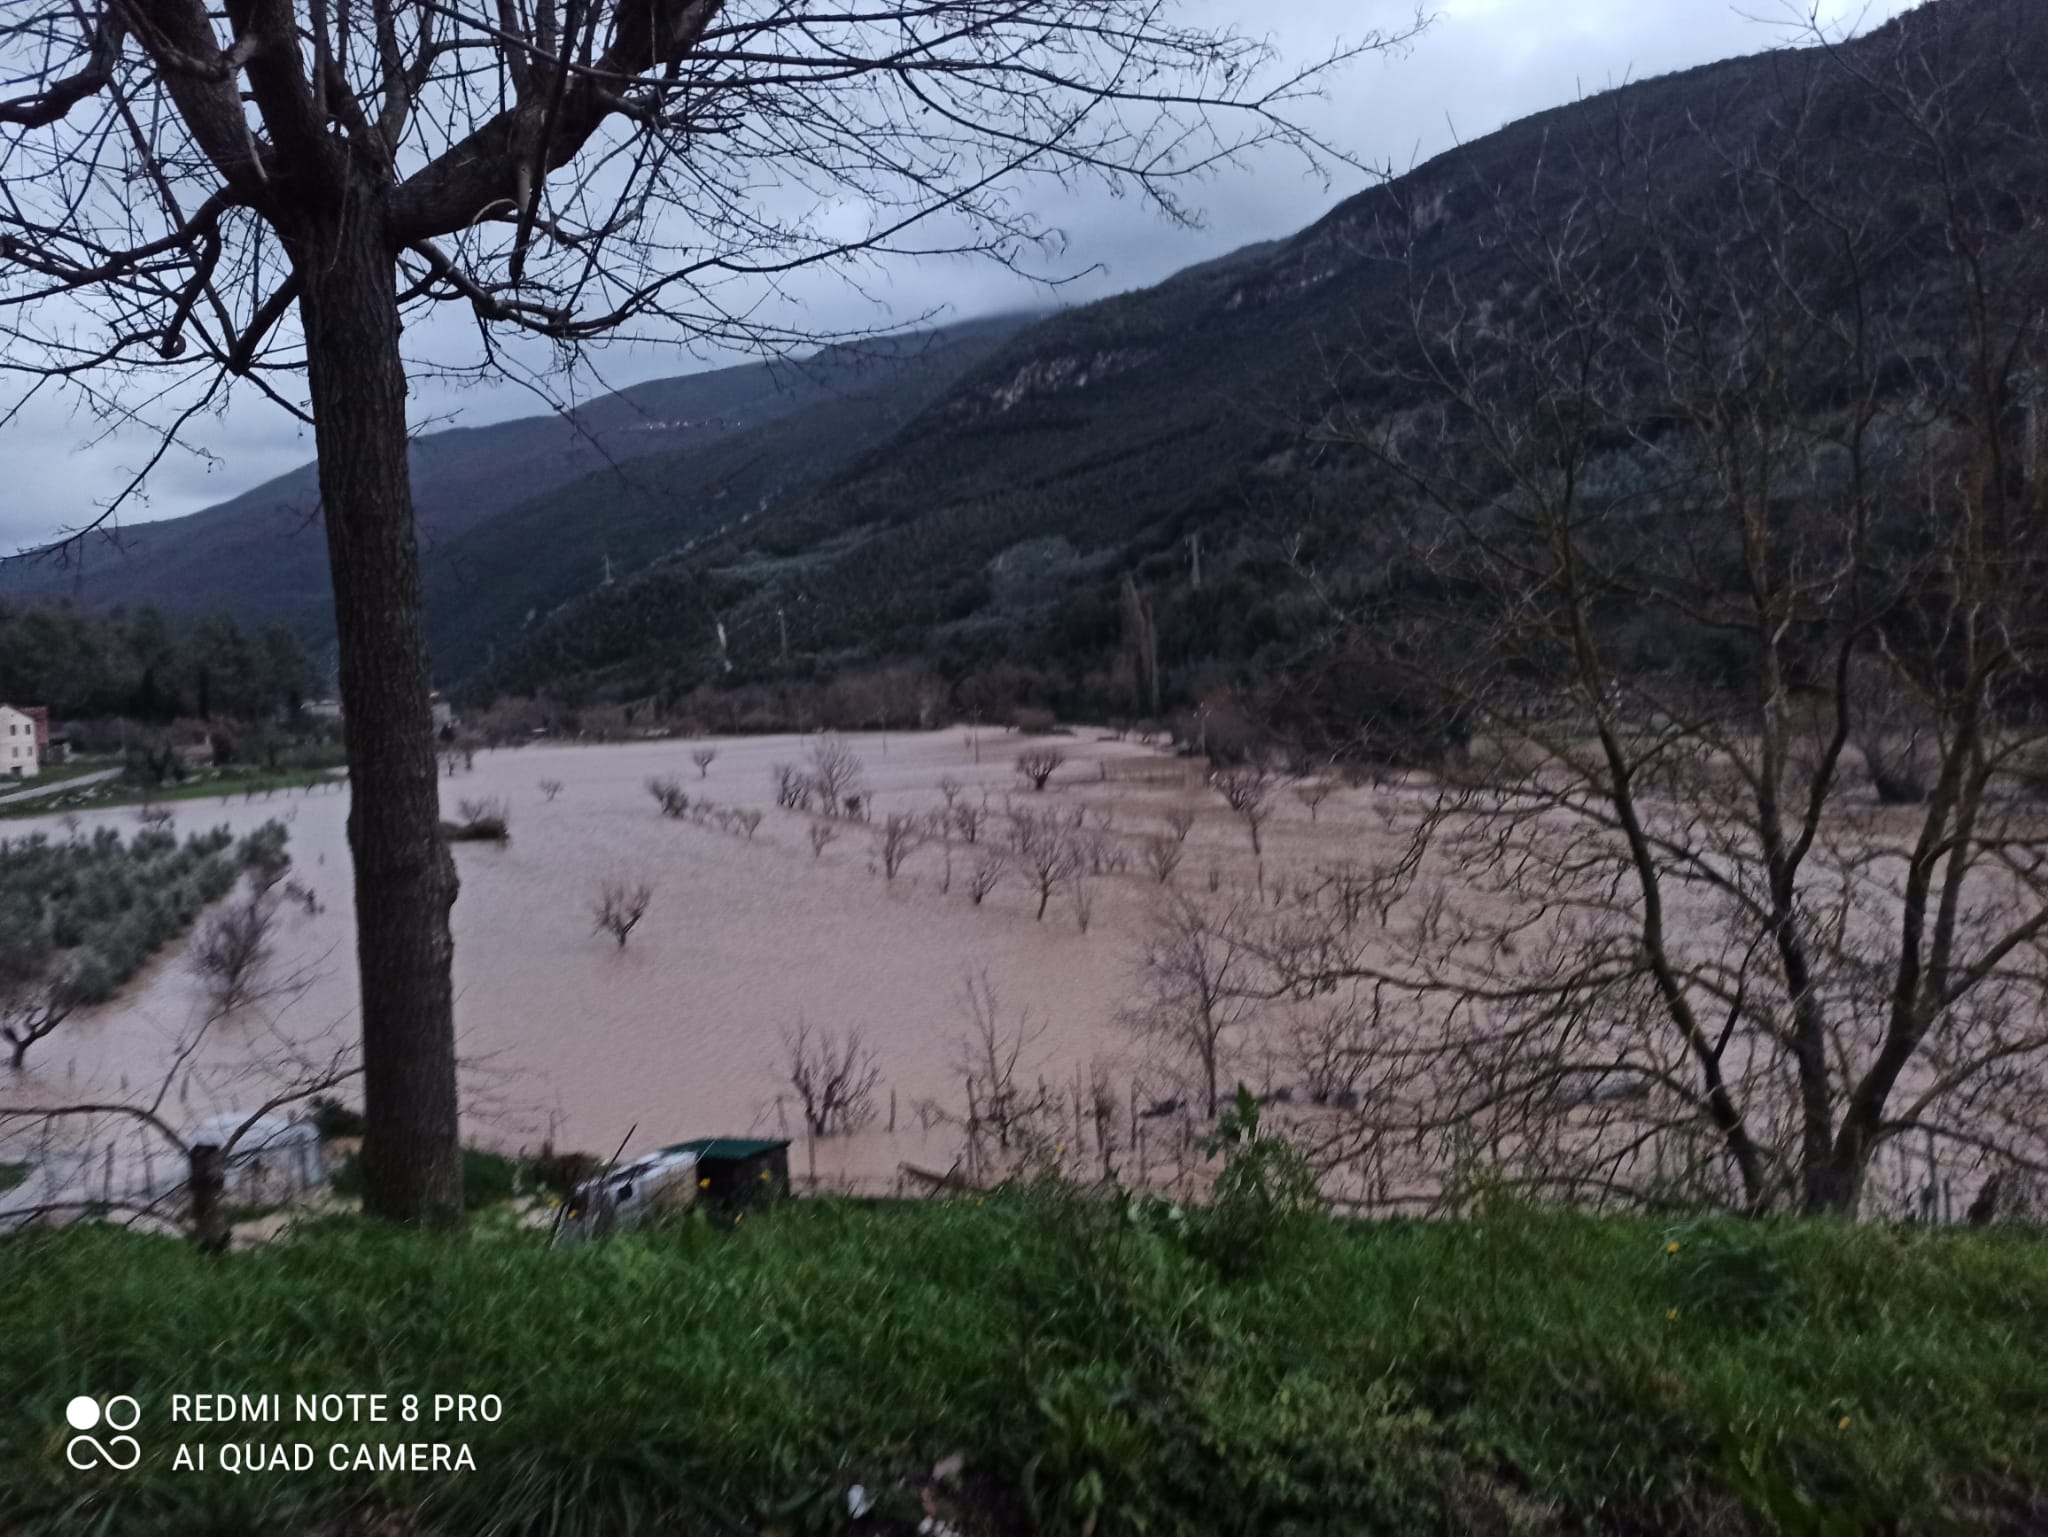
[[404, 878], [207, 1176]]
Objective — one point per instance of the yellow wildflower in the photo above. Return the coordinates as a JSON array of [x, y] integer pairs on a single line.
[[1672, 1316], [1672, 1247], [1844, 1425]]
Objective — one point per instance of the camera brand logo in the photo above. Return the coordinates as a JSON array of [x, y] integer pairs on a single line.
[[84, 1415]]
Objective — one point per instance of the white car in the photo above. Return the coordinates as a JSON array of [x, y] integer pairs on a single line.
[[630, 1194]]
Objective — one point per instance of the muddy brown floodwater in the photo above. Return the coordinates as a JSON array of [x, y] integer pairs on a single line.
[[565, 1035]]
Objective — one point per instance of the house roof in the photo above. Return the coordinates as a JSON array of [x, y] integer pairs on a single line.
[[728, 1147]]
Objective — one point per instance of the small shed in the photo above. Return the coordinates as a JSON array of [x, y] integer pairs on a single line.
[[737, 1172]]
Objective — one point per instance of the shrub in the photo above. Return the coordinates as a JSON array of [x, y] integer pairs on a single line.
[[483, 821], [488, 1179], [1259, 1201], [1037, 765], [669, 796], [332, 1119]]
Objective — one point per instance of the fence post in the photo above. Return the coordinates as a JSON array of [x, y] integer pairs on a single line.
[[208, 1176]]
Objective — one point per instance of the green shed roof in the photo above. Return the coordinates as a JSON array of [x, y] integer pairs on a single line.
[[728, 1147]]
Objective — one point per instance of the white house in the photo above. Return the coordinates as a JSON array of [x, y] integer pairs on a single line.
[[21, 754]]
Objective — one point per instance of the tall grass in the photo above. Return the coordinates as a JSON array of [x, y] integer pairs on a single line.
[[1103, 1366]]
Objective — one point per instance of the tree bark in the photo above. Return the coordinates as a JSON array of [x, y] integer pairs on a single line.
[[404, 878], [1832, 1187]]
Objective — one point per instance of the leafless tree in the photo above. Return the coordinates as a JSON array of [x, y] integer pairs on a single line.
[[969, 820], [997, 1078], [231, 949], [1329, 1043], [822, 833], [1898, 740], [1312, 794], [986, 874], [835, 1078], [748, 821], [155, 816], [669, 795], [1245, 790], [1037, 765], [1162, 857], [902, 834], [1180, 821], [836, 776], [1042, 843], [704, 757], [1103, 1108], [620, 906], [550, 788], [1200, 977], [793, 790], [224, 197], [1081, 893], [1727, 469], [949, 787]]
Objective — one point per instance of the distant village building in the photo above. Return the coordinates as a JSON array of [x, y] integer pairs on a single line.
[[323, 709], [192, 741], [23, 733]]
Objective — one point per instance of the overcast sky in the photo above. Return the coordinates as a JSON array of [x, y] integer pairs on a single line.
[[1481, 64]]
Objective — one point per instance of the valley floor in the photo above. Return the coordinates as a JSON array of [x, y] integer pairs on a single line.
[[567, 1037]]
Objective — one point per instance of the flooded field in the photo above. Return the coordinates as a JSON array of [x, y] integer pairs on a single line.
[[566, 1036]]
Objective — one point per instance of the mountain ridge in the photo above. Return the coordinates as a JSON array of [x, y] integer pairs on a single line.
[[1115, 440], [260, 556]]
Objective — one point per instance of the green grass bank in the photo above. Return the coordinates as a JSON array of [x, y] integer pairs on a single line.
[[1097, 1366]]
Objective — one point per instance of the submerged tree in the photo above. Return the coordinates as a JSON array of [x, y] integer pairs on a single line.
[[274, 186]]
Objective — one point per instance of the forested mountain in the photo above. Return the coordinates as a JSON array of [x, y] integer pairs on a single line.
[[1144, 477], [638, 472], [1135, 505]]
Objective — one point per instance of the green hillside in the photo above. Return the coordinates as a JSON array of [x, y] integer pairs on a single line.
[[654, 458], [1164, 435], [489, 585]]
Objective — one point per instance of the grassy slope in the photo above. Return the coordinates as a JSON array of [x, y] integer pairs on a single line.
[[1514, 1373]]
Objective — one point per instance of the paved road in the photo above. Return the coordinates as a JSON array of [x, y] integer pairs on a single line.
[[59, 787]]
